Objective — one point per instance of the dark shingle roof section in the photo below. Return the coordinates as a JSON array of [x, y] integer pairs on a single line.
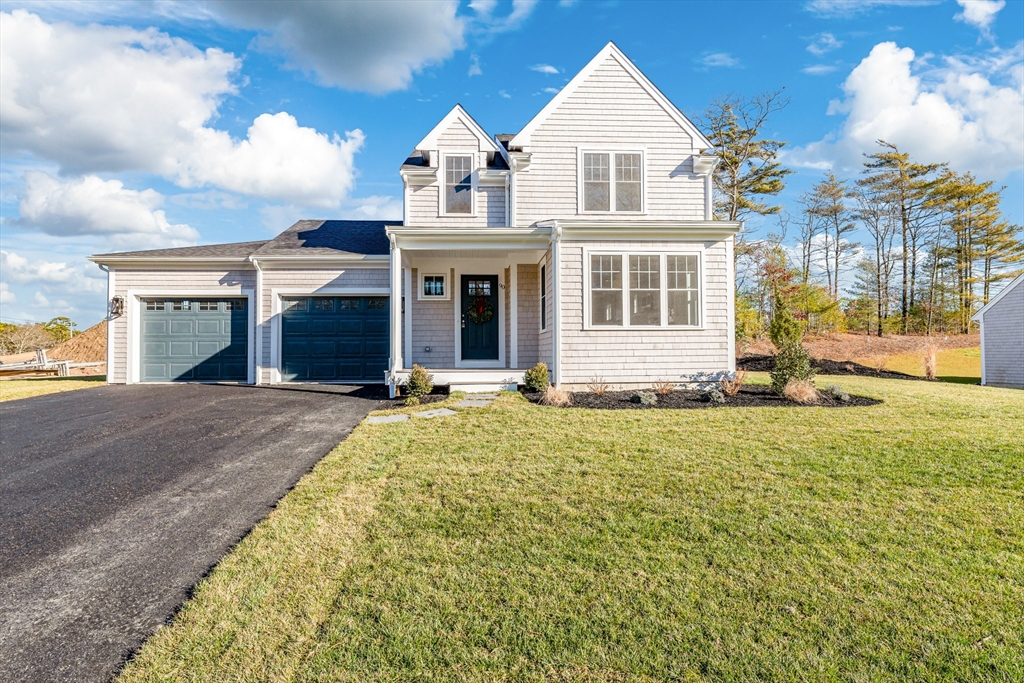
[[230, 250], [330, 238], [495, 161]]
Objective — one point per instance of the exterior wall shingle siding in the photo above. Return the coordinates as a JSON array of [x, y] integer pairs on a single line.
[[1003, 354]]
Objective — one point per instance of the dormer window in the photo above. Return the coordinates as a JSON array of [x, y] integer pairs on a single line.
[[611, 182], [458, 184]]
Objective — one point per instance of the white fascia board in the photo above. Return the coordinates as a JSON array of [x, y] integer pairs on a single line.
[[459, 114], [470, 238], [490, 176], [172, 263], [575, 230], [419, 176], [522, 139], [994, 300], [323, 261]]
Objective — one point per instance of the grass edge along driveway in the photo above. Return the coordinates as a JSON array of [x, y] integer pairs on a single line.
[[525, 543], [14, 389]]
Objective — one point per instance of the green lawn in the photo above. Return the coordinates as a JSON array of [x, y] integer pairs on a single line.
[[962, 366], [521, 543], [11, 389]]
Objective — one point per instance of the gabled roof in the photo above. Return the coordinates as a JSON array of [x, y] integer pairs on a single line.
[[458, 114], [994, 300], [522, 139], [229, 250], [330, 238]]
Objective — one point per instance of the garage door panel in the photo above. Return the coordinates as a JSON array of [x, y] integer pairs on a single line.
[[326, 338], [206, 340]]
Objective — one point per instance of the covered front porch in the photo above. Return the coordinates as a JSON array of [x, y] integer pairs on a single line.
[[472, 304]]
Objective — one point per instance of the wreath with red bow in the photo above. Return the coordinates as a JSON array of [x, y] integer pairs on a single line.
[[480, 310]]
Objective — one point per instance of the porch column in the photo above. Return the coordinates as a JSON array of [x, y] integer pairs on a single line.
[[396, 314], [408, 314]]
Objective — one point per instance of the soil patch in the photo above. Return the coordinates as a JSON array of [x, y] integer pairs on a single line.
[[753, 396], [88, 347], [435, 396], [825, 367]]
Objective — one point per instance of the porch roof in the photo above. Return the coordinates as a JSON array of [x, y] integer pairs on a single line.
[[473, 239]]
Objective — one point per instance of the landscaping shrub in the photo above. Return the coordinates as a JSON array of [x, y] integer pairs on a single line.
[[420, 383], [713, 396], [784, 329], [931, 362], [731, 387], [536, 378], [801, 391], [836, 392], [412, 401], [644, 398], [553, 396], [791, 364], [597, 385], [663, 387]]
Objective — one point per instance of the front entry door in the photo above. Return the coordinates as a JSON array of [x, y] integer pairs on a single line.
[[479, 317]]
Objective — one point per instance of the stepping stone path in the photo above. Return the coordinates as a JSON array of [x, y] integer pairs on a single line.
[[384, 419], [436, 412], [476, 401]]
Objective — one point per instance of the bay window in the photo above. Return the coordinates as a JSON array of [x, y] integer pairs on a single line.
[[656, 290]]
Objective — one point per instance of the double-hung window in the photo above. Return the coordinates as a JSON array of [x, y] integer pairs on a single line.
[[643, 289], [458, 184], [612, 182]]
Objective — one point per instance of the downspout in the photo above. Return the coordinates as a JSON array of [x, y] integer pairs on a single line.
[[556, 294], [258, 317], [110, 321]]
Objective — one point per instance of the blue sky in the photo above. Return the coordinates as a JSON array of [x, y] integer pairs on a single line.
[[162, 124]]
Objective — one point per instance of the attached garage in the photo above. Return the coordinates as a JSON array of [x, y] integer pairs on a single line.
[[194, 340], [334, 338]]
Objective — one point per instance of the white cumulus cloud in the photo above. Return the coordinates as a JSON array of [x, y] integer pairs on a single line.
[[823, 43], [6, 295], [980, 13], [544, 69], [718, 59], [375, 47], [966, 111], [92, 206], [115, 99], [52, 276], [845, 8]]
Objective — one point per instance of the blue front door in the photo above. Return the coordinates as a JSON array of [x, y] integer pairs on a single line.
[[479, 317]]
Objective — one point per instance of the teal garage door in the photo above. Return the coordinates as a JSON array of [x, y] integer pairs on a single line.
[[194, 340], [334, 338]]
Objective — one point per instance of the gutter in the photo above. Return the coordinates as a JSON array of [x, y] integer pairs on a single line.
[[258, 317]]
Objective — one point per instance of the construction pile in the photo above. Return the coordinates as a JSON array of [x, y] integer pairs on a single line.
[[88, 347]]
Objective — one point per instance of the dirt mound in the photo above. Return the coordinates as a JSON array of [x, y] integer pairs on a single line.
[[88, 347]]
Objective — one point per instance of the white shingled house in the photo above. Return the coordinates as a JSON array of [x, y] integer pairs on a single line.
[[1002, 337], [585, 241]]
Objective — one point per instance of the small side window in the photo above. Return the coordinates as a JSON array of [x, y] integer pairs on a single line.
[[434, 287], [543, 297]]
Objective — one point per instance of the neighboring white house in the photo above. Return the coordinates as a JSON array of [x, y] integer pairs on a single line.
[[585, 241], [1002, 337]]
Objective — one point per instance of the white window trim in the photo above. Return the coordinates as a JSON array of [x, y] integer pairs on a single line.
[[625, 254], [442, 191], [420, 296], [611, 152]]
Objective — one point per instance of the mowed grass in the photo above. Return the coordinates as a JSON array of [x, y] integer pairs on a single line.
[[523, 543], [11, 389], [962, 366]]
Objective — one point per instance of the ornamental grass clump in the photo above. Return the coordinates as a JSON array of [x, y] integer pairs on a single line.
[[931, 362], [536, 379], [663, 387], [420, 382], [597, 386], [801, 391], [555, 397], [731, 387]]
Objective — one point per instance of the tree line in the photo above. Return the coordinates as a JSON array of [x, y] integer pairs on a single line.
[[935, 240], [31, 336]]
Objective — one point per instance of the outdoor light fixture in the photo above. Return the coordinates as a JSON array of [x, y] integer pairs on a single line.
[[117, 306]]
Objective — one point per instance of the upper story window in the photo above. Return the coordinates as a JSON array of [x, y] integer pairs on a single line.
[[612, 182], [458, 184]]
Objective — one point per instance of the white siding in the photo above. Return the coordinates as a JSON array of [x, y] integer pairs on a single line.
[[528, 317], [433, 325], [424, 208], [166, 283], [630, 356], [609, 109], [458, 137], [1003, 352], [309, 280]]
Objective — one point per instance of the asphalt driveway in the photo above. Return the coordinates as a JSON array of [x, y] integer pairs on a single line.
[[115, 501]]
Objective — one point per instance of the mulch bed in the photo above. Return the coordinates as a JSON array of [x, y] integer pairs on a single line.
[[436, 396], [825, 367], [753, 396]]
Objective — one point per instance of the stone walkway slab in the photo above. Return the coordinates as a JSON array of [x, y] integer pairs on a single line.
[[384, 419], [473, 403], [437, 412]]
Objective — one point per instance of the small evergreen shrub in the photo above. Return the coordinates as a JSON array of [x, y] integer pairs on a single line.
[[791, 364], [536, 378], [644, 398], [836, 393], [714, 396], [784, 329], [412, 401], [420, 382]]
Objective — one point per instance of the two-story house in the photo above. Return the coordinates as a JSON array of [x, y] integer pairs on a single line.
[[585, 241]]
